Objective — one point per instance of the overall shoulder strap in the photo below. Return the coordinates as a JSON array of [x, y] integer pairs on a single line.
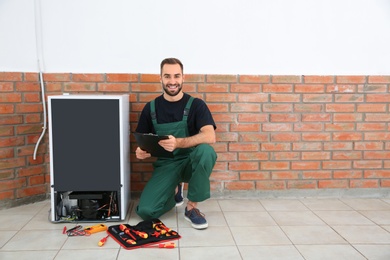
[[153, 112], [187, 108]]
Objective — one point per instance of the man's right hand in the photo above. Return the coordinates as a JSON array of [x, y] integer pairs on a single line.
[[141, 154]]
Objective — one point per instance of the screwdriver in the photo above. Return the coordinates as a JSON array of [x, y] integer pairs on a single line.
[[140, 233], [126, 230], [103, 241], [166, 245], [129, 241]]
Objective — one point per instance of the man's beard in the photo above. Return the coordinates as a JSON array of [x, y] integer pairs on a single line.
[[170, 93]]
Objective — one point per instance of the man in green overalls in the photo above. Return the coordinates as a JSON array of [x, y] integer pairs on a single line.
[[191, 129]]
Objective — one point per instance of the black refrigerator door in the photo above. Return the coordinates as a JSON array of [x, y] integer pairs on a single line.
[[86, 144]]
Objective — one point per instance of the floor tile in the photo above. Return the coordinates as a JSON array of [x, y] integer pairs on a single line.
[[387, 227], [283, 205], [212, 236], [248, 219], [374, 252], [89, 242], [148, 254], [363, 234], [29, 209], [101, 254], [5, 236], [45, 210], [386, 201], [298, 218], [309, 235], [379, 217], [329, 252], [212, 253], [288, 252], [28, 255], [325, 204], [241, 205], [36, 240], [343, 218], [367, 204], [41, 221], [269, 235], [14, 222], [210, 205]]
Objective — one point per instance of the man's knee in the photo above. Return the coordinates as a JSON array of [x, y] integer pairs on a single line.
[[144, 212], [205, 157], [207, 151]]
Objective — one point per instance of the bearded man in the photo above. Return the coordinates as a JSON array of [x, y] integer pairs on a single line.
[[188, 123]]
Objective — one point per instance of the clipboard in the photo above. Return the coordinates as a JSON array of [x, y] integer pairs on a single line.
[[149, 143]]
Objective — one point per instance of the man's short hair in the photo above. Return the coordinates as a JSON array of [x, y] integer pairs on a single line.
[[171, 61]]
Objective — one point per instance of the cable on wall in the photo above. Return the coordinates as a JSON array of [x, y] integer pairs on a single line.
[[44, 113], [38, 37]]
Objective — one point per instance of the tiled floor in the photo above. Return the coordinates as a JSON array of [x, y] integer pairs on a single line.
[[238, 229]]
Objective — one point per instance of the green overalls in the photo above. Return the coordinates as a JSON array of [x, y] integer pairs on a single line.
[[192, 165]]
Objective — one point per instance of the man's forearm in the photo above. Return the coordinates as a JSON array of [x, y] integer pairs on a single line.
[[205, 136]]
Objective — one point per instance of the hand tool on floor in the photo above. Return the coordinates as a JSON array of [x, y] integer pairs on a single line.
[[96, 228], [103, 241], [77, 231], [163, 245]]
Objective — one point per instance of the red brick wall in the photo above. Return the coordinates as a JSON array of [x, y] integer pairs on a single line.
[[274, 132]]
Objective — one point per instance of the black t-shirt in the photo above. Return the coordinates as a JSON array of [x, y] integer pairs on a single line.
[[168, 112]]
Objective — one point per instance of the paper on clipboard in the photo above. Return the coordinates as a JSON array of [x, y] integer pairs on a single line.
[[149, 143]]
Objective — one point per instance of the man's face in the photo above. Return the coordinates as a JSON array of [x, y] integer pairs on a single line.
[[172, 79]]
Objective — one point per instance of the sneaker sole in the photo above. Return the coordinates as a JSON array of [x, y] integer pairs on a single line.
[[178, 204], [197, 226]]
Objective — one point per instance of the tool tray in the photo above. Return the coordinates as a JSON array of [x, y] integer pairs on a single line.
[[132, 237]]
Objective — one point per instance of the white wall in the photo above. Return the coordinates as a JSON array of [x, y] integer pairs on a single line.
[[323, 37]]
